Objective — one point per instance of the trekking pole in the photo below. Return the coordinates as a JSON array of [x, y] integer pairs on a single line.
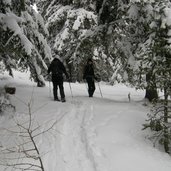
[[49, 89], [70, 89], [100, 90]]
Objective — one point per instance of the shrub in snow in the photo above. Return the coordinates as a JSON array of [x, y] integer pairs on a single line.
[[160, 123], [23, 151]]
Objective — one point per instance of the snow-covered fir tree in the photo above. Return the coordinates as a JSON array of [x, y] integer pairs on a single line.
[[130, 30], [155, 55], [149, 41], [74, 35], [134, 32], [23, 39]]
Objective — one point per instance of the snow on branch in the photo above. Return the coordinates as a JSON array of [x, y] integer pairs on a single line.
[[12, 22]]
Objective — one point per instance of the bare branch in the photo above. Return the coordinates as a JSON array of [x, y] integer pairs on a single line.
[[50, 126]]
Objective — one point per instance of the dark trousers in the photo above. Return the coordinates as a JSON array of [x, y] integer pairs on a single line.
[[91, 86], [55, 89]]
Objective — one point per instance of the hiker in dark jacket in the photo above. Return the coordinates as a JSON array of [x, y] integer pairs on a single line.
[[57, 68], [89, 76]]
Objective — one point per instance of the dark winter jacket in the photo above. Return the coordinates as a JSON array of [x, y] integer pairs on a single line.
[[57, 68], [88, 71]]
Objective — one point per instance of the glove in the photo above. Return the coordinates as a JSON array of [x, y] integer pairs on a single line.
[[48, 77], [97, 79], [68, 78]]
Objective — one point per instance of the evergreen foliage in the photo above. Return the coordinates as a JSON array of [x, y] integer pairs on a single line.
[[157, 57], [23, 43], [159, 122], [75, 35]]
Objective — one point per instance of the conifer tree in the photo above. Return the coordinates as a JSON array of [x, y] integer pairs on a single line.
[[23, 42], [130, 30], [157, 55], [74, 35], [139, 20]]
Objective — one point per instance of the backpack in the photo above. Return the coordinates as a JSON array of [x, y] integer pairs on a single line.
[[56, 69]]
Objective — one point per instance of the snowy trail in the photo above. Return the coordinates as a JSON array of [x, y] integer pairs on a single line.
[[120, 143], [92, 134], [75, 141], [76, 151], [67, 145]]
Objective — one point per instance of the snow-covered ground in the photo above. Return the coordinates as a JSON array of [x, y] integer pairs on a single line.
[[91, 134]]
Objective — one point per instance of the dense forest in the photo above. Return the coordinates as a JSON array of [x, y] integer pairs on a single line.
[[129, 41]]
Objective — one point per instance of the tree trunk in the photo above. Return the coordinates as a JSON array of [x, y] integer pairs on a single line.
[[166, 133], [151, 89], [22, 2], [151, 94], [35, 74]]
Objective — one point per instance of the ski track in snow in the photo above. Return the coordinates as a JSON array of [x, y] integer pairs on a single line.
[[75, 142]]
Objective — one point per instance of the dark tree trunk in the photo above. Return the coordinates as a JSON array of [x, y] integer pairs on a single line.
[[166, 132], [151, 90], [151, 94], [34, 75], [22, 2]]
